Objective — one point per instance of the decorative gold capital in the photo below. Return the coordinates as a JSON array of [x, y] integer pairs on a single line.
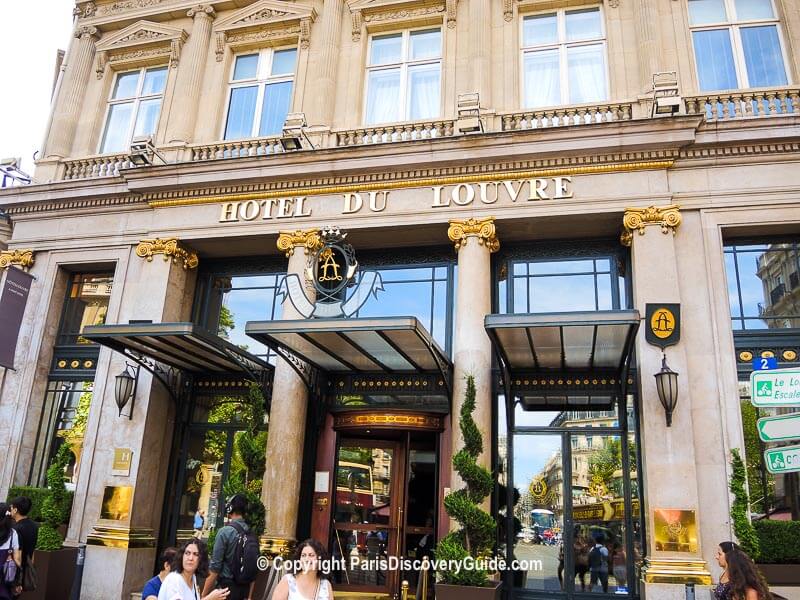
[[20, 258], [276, 546], [306, 238], [169, 247], [676, 570], [668, 217], [483, 229]]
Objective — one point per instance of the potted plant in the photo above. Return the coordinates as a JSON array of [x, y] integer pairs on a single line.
[[55, 565], [470, 544]]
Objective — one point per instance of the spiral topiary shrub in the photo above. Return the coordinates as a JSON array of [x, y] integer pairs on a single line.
[[475, 537], [742, 527], [56, 504]]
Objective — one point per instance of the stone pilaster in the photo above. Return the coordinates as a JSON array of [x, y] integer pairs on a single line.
[[475, 240], [73, 86], [121, 545], [480, 33], [287, 419], [648, 42], [668, 453], [328, 51], [190, 76]]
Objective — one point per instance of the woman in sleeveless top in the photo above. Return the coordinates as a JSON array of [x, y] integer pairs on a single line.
[[741, 579], [9, 551], [308, 582]]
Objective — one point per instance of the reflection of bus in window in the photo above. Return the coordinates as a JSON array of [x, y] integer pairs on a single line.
[[354, 492]]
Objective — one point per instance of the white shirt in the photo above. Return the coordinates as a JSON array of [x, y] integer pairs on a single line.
[[13, 540], [323, 593], [174, 588]]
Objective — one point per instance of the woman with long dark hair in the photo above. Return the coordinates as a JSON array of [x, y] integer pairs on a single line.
[[10, 554], [308, 582], [741, 579], [190, 562]]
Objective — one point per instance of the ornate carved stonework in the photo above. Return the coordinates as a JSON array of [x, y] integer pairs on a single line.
[[357, 21], [508, 10], [667, 217], [87, 31], [483, 229], [613, 3], [125, 6], [84, 11], [262, 35], [305, 33], [403, 13], [202, 10], [18, 258], [170, 248], [260, 16], [450, 9], [305, 238], [143, 35]]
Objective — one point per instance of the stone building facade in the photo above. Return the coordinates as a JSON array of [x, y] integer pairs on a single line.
[[489, 159]]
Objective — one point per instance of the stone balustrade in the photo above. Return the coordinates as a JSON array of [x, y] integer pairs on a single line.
[[740, 104], [396, 132], [560, 116], [103, 165], [236, 148]]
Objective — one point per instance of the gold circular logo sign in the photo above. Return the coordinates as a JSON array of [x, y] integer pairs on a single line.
[[538, 489], [662, 323]]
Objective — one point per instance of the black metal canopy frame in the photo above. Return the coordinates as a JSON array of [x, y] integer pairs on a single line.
[[316, 348], [177, 352]]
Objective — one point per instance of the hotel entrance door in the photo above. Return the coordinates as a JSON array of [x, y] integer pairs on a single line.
[[384, 511]]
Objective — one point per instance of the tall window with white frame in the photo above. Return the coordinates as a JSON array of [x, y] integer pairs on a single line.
[[260, 93], [404, 74], [564, 58], [737, 44], [133, 108]]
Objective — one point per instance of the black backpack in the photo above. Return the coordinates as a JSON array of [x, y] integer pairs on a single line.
[[245, 555], [596, 558]]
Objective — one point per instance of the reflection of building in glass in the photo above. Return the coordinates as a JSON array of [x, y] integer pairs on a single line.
[[779, 271]]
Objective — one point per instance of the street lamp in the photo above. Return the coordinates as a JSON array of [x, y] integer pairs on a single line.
[[667, 388], [125, 388]]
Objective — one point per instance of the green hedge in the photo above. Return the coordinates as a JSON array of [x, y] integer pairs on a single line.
[[37, 496], [779, 541]]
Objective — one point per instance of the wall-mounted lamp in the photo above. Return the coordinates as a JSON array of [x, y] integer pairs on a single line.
[[667, 388], [125, 388], [666, 99], [143, 151], [469, 113], [294, 134]]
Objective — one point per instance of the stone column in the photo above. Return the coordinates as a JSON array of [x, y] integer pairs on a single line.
[[324, 90], [287, 419], [73, 87], [190, 76], [475, 240], [157, 284], [649, 46], [668, 453]]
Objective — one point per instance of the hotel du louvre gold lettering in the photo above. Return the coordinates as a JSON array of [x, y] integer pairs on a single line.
[[442, 196]]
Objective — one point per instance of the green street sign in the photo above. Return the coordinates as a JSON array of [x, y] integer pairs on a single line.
[[783, 460], [780, 428], [778, 387]]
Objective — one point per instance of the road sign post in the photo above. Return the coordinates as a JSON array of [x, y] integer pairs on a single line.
[[783, 460], [780, 387]]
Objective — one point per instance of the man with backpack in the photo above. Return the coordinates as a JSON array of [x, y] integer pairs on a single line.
[[234, 560], [598, 564]]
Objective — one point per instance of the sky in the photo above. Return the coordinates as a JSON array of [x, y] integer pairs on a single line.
[[31, 33]]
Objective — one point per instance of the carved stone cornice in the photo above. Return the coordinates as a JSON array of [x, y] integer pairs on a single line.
[[636, 219], [379, 12], [139, 42], [171, 248], [483, 229], [17, 258], [299, 238]]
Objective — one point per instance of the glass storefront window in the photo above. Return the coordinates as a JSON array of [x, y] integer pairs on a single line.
[[86, 304], [763, 284]]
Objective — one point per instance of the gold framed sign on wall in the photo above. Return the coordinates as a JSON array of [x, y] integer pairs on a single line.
[[663, 324]]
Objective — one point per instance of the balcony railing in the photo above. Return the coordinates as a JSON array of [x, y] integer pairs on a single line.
[[741, 104], [561, 116], [104, 165], [236, 148], [394, 132]]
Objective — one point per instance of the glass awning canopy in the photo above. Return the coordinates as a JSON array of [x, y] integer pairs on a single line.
[[182, 346], [357, 345], [558, 359]]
